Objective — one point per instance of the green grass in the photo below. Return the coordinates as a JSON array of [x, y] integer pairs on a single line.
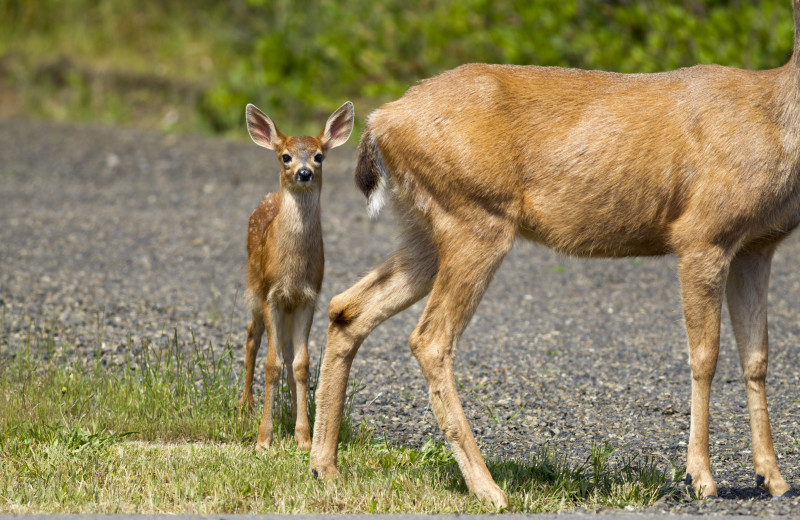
[[159, 433]]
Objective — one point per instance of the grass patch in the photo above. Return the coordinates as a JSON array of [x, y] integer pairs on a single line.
[[167, 391], [160, 434]]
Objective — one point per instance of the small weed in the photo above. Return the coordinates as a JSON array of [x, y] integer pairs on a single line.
[[502, 422], [215, 314], [475, 394], [558, 269]]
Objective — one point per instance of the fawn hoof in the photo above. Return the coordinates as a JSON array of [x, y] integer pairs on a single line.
[[303, 439], [246, 407], [264, 444]]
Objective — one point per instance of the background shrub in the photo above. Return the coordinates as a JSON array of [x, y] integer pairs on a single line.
[[192, 65]]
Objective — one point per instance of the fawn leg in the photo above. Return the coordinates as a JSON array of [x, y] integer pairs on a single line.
[[748, 282], [254, 332], [298, 367], [276, 335]]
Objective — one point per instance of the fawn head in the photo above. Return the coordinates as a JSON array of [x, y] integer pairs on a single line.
[[300, 156]]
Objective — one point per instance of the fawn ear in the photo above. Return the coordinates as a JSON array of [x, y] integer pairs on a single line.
[[339, 126], [262, 130]]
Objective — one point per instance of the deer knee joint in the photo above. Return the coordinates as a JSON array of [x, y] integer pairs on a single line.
[[417, 343], [300, 368], [703, 369], [755, 369], [430, 355], [340, 311], [272, 370]]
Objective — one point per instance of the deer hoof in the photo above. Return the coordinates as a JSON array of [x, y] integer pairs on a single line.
[[703, 485], [325, 473], [792, 493]]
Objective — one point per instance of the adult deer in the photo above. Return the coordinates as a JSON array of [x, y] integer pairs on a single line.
[[285, 263], [701, 162]]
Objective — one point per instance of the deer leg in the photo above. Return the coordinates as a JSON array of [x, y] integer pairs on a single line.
[[276, 335], [298, 367], [254, 332], [402, 279], [702, 274], [288, 350], [461, 282], [748, 282]]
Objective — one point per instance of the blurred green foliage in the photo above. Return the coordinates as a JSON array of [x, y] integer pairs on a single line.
[[300, 59]]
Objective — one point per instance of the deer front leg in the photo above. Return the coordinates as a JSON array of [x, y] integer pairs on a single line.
[[402, 279], [747, 286], [297, 364], [254, 333], [702, 272], [277, 338]]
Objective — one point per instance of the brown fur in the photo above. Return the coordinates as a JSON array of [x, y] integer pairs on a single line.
[[701, 162], [285, 262]]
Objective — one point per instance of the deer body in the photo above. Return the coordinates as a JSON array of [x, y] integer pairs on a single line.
[[285, 263], [285, 245], [616, 193], [702, 162]]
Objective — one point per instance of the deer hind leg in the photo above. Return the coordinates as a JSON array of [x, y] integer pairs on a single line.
[[296, 361], [747, 286], [275, 320], [401, 280], [254, 333], [702, 273], [464, 274]]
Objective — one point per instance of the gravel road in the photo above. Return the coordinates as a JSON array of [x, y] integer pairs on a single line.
[[106, 233]]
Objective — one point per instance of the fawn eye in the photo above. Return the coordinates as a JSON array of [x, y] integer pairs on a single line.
[[318, 158], [286, 158]]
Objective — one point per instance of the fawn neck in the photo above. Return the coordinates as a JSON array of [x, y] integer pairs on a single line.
[[299, 216]]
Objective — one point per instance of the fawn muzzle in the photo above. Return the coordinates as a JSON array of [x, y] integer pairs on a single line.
[[304, 176]]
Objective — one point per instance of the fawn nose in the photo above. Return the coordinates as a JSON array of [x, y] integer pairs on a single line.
[[304, 175]]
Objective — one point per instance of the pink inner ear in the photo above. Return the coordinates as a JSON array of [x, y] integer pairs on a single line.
[[260, 129], [339, 125], [262, 133]]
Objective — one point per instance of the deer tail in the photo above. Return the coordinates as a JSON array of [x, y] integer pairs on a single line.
[[370, 175]]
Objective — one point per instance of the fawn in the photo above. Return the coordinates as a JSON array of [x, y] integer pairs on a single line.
[[285, 263], [701, 162]]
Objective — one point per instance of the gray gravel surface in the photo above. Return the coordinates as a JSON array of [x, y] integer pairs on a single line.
[[109, 233]]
